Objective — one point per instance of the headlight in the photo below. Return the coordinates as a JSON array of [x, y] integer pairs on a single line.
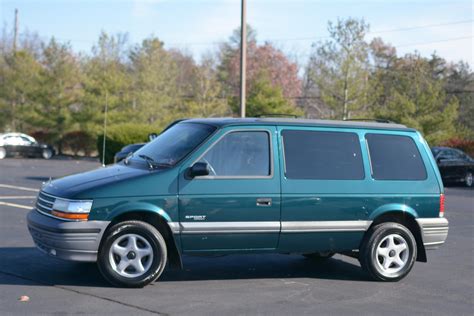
[[70, 209]]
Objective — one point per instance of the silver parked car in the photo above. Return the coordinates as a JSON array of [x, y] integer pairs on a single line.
[[14, 144]]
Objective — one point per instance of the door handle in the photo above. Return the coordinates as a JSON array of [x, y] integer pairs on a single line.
[[264, 202]]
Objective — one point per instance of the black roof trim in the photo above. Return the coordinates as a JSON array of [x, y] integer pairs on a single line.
[[226, 121]]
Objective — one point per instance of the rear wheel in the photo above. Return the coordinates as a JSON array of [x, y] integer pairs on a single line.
[[319, 256], [388, 252], [3, 153], [469, 179], [133, 254]]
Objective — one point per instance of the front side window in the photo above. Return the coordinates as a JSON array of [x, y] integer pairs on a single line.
[[395, 157], [240, 154], [322, 155], [13, 140]]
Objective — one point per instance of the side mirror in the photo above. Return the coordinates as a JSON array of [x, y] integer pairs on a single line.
[[152, 136], [440, 159], [199, 169]]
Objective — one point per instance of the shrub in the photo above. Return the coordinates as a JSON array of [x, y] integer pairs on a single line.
[[78, 142], [42, 136], [466, 145], [121, 135]]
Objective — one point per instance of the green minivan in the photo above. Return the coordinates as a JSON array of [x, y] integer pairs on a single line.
[[256, 185]]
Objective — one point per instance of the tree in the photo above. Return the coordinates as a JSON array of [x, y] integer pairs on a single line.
[[155, 77], [339, 68], [460, 83], [60, 91], [19, 85], [264, 59], [266, 99], [207, 99], [106, 82], [416, 97]]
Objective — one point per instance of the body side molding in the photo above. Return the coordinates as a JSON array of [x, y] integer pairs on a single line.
[[268, 227]]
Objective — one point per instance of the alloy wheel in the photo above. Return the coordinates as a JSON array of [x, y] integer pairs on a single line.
[[131, 255], [392, 254]]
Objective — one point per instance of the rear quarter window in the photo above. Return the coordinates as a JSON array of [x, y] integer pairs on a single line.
[[395, 157]]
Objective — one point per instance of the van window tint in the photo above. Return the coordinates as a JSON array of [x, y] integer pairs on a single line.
[[395, 157], [245, 153], [322, 155]]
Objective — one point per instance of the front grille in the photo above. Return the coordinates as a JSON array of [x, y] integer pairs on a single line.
[[44, 203]]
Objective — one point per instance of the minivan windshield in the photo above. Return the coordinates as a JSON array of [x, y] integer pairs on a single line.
[[174, 144]]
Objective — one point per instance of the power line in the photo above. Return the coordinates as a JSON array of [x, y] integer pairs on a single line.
[[409, 28], [421, 27], [416, 43], [437, 41]]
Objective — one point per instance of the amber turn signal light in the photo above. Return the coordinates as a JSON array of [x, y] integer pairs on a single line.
[[73, 216]]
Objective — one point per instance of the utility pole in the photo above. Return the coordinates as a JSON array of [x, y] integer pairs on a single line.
[[243, 57], [15, 31]]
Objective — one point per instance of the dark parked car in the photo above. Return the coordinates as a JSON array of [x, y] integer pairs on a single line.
[[129, 149], [12, 144], [125, 151], [455, 166]]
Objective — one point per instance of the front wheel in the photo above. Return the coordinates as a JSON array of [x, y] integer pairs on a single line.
[[388, 253], [47, 153], [133, 254]]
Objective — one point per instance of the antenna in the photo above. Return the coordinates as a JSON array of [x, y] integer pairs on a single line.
[[105, 126]]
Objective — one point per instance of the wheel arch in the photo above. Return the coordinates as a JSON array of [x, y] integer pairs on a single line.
[[408, 220], [159, 220]]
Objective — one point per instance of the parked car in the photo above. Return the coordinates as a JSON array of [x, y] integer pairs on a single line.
[[455, 165], [21, 144], [255, 185], [127, 150]]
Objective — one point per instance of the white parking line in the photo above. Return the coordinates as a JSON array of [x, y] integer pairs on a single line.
[[19, 197], [7, 186], [16, 205]]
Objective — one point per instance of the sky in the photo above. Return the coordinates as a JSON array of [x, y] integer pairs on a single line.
[[427, 26]]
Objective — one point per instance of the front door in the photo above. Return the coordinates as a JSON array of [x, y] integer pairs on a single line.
[[237, 206]]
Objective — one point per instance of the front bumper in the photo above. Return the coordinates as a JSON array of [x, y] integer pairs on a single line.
[[434, 231], [76, 241]]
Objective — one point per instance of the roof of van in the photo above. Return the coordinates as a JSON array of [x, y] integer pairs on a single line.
[[225, 121]]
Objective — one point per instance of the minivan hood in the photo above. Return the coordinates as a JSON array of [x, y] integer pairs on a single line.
[[81, 183]]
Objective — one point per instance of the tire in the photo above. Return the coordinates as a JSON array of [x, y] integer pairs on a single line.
[[3, 153], [469, 179], [388, 252], [319, 256], [119, 246], [47, 153]]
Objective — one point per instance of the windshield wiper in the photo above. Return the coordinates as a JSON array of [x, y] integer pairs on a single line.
[[151, 162], [163, 164]]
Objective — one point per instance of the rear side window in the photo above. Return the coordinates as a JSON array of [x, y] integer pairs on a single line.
[[322, 155], [395, 157]]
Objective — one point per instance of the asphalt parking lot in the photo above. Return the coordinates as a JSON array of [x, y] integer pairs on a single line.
[[239, 284]]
